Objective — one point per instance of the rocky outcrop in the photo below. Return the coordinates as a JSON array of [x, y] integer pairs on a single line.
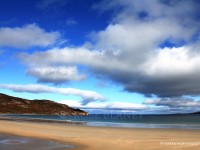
[[15, 105]]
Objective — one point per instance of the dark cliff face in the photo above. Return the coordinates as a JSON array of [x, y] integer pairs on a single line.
[[14, 105]]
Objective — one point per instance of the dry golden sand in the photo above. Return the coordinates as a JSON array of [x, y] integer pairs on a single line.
[[105, 138]]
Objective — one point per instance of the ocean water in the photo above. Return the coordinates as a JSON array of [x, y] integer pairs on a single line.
[[177, 121]]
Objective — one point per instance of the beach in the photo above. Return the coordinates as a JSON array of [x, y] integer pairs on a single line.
[[98, 138]]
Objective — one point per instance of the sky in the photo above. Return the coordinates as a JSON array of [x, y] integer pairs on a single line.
[[103, 56]]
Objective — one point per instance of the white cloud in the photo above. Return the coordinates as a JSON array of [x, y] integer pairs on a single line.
[[128, 49], [87, 96], [70, 55], [174, 62], [165, 72], [149, 106], [105, 105], [173, 102], [27, 36], [57, 75]]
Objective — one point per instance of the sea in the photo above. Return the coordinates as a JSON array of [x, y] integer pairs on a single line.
[[172, 121]]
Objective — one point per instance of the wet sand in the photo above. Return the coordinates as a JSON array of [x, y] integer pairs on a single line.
[[11, 142], [98, 138]]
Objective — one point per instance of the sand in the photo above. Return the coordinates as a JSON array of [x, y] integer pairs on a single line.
[[106, 138], [10, 142]]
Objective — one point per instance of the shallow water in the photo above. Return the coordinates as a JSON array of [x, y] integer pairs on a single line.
[[177, 121], [9, 142]]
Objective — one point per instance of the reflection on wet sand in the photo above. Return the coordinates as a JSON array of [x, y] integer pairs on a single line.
[[9, 142]]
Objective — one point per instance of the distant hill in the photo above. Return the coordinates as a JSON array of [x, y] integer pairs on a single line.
[[198, 112], [15, 105]]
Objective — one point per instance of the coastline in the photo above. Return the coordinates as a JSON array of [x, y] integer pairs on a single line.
[[41, 120], [98, 138], [98, 123]]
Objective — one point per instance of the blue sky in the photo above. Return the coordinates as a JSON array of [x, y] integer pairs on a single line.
[[119, 56]]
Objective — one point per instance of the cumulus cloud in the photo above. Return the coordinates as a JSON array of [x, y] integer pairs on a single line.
[[170, 72], [173, 105], [128, 50], [27, 36], [56, 75], [173, 102], [87, 96], [149, 106], [105, 105]]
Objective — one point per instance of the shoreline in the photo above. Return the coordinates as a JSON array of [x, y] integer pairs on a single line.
[[98, 138], [40, 120], [106, 124]]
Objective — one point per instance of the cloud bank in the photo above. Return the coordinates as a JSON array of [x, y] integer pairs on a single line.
[[87, 96], [170, 72], [132, 49], [173, 105], [149, 106], [106, 105], [173, 102]]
